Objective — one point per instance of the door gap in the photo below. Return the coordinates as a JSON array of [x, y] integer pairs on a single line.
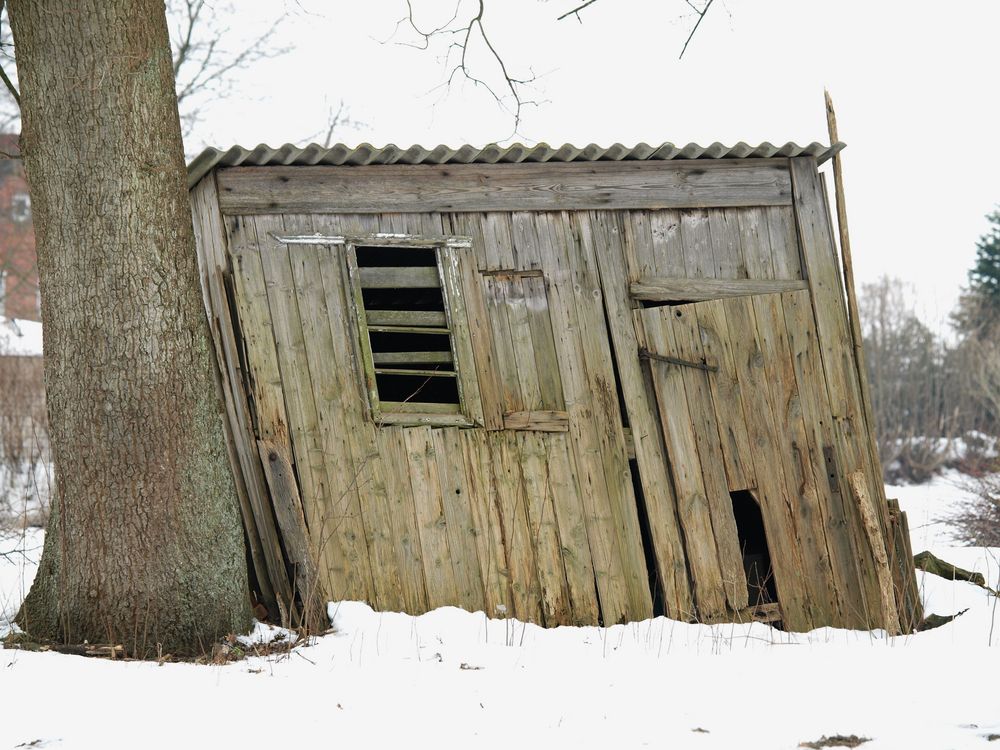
[[761, 588], [649, 553]]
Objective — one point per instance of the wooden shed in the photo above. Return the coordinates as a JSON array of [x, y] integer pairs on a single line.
[[572, 386]]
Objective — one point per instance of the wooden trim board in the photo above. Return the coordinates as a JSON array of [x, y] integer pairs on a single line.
[[656, 289], [504, 187]]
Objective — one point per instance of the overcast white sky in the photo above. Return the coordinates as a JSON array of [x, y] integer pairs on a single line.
[[915, 86]]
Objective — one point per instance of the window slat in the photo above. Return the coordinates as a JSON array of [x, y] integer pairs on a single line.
[[401, 358], [397, 277], [417, 407], [406, 318], [421, 373], [408, 329]]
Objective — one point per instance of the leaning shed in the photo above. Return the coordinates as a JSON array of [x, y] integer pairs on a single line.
[[571, 386]]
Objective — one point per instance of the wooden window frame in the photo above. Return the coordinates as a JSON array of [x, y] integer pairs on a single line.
[[451, 252]]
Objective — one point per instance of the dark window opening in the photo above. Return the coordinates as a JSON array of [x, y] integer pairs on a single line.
[[413, 360], [652, 569], [753, 544], [665, 303]]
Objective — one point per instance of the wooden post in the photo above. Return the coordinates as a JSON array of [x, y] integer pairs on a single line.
[[852, 299]]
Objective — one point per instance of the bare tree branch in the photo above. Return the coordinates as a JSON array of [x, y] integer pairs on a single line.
[[701, 17], [461, 31], [511, 96]]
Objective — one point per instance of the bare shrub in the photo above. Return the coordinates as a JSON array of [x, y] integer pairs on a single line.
[[978, 523]]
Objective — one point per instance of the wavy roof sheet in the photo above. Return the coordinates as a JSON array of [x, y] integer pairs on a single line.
[[366, 154]]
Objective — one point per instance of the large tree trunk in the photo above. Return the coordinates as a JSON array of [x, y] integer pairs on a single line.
[[144, 546]]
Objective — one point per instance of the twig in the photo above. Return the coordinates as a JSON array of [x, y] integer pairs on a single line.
[[576, 10]]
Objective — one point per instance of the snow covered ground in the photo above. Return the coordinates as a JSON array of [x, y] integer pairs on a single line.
[[22, 338], [454, 679]]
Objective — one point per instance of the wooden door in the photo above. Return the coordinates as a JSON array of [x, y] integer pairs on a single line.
[[743, 406]]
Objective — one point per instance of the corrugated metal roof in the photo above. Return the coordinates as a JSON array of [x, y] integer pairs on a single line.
[[365, 154]]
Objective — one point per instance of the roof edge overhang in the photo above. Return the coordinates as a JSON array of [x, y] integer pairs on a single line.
[[366, 154]]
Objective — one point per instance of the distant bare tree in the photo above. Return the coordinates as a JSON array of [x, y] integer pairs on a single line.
[[205, 57], [338, 119], [206, 54], [908, 373]]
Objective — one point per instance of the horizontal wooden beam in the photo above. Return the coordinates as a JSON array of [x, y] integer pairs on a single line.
[[657, 289], [505, 187], [400, 277]]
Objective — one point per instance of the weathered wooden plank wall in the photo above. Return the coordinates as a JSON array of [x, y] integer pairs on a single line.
[[534, 513]]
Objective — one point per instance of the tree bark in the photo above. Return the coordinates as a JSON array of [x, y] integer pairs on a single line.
[[144, 545]]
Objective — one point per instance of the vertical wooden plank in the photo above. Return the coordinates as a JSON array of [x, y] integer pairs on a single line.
[[599, 425], [726, 396], [903, 572], [271, 421], [727, 250], [450, 262], [356, 449], [403, 527], [637, 245], [543, 343], [699, 262], [668, 250], [756, 243], [439, 575], [524, 351], [776, 506], [819, 264], [544, 530], [651, 458], [802, 484], [685, 468], [876, 539], [480, 331], [347, 435], [489, 530], [592, 489], [512, 504], [458, 518], [213, 258], [784, 243], [497, 253], [608, 419], [303, 421], [571, 518], [684, 338], [818, 420], [301, 556]]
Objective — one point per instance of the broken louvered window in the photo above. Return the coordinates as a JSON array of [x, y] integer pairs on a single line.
[[413, 331]]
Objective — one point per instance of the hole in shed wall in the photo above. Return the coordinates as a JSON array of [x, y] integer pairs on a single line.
[[753, 544]]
